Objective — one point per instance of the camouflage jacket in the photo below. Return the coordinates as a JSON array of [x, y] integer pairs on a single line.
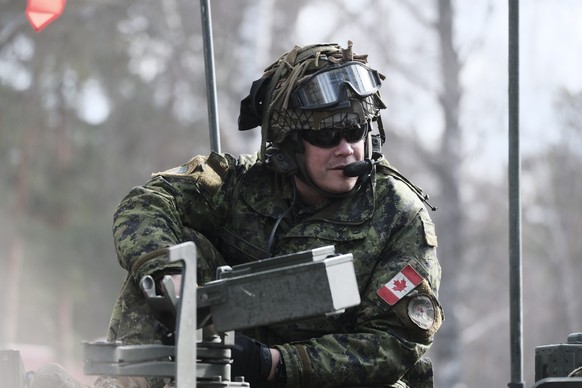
[[235, 203]]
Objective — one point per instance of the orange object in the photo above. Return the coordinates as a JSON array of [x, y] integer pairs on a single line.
[[41, 13]]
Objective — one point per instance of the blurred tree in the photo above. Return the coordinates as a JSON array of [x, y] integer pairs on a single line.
[[431, 64], [57, 155], [44, 145], [447, 166], [552, 247]]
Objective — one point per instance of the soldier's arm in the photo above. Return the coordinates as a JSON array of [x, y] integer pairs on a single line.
[[386, 341], [157, 215]]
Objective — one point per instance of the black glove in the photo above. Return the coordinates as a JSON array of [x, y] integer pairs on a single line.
[[251, 359]]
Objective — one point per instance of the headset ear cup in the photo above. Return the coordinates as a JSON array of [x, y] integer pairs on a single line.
[[279, 161]]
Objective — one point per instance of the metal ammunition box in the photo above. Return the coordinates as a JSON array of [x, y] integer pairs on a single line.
[[283, 288]]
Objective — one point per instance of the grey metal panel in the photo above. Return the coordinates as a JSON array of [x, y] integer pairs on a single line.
[[307, 289]]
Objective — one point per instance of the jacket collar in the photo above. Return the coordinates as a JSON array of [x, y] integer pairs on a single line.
[[270, 194]]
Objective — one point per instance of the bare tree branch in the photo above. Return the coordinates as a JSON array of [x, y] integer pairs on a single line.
[[420, 18], [10, 28]]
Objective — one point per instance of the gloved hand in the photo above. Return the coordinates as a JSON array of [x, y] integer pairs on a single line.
[[251, 359]]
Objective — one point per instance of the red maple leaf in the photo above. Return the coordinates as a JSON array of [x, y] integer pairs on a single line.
[[399, 285]]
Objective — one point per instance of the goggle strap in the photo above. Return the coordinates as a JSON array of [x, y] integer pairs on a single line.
[[296, 73]]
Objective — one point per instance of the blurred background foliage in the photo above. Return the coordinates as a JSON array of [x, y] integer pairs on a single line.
[[111, 92]]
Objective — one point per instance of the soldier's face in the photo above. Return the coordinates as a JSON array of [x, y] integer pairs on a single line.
[[325, 165]]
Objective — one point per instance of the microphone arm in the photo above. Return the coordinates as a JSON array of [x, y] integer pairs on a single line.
[[362, 167], [358, 168]]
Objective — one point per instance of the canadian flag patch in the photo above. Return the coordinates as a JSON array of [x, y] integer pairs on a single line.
[[400, 285]]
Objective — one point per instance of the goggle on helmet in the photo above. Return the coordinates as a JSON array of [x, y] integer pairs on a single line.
[[328, 88]]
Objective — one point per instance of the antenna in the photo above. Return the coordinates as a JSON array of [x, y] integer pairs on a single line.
[[210, 76], [515, 265]]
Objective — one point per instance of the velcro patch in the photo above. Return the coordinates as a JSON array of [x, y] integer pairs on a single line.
[[430, 236]]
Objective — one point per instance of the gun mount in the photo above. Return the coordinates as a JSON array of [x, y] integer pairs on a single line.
[[265, 292]]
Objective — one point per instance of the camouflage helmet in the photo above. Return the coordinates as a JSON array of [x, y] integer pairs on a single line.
[[272, 102]]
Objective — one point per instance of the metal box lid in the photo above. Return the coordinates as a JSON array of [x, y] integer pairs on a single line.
[[284, 288]]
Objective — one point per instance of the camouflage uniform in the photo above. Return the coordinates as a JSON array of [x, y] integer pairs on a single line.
[[232, 205]]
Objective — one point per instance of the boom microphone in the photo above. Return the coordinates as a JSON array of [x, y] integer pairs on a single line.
[[358, 168]]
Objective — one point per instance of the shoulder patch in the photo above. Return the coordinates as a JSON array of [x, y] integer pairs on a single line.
[[400, 285], [420, 312]]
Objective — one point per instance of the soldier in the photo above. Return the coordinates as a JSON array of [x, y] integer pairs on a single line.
[[319, 179]]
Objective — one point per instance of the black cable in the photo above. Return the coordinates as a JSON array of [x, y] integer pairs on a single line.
[[280, 218]]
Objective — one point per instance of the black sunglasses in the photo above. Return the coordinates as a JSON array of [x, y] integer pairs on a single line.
[[328, 138]]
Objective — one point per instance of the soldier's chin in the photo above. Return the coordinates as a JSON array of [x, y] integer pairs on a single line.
[[342, 186]]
